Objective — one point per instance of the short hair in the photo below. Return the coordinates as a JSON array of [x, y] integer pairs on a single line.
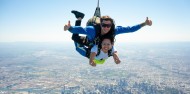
[[107, 18]]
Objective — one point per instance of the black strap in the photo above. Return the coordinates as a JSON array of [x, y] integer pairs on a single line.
[[98, 53]]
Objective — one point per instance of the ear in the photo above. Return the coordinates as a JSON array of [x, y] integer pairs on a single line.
[[112, 44]]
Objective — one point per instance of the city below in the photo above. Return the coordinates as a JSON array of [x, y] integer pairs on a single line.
[[55, 68]]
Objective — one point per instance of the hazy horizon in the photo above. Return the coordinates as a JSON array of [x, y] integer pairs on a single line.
[[57, 68]]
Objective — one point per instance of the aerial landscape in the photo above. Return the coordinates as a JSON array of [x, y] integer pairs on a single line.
[[158, 68], [38, 56]]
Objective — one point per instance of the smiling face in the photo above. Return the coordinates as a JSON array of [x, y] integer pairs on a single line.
[[106, 45], [105, 26]]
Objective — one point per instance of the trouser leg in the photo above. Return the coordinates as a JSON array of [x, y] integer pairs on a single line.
[[80, 50], [76, 37]]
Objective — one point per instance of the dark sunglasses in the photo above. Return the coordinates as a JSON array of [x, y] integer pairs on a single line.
[[106, 25]]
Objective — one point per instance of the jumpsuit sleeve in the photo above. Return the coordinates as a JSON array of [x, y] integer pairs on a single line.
[[128, 29], [89, 31]]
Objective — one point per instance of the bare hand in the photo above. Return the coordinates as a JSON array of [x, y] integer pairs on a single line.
[[148, 22], [67, 26], [117, 61], [92, 63]]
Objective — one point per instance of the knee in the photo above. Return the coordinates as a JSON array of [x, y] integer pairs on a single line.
[[74, 37]]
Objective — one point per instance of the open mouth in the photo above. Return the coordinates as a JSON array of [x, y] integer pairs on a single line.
[[105, 48]]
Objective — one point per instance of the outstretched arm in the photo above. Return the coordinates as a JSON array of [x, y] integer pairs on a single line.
[[116, 58], [89, 30], [92, 56], [121, 30]]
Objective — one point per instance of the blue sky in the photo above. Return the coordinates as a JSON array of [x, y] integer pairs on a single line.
[[43, 20]]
